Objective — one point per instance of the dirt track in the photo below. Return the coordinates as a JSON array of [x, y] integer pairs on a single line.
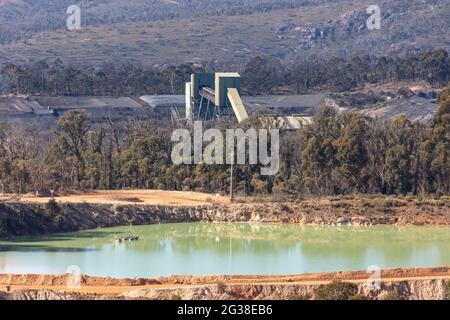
[[110, 287], [144, 197]]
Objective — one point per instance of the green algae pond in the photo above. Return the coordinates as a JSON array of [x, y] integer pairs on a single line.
[[221, 248]]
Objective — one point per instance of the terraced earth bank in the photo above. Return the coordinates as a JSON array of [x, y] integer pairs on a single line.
[[411, 284]]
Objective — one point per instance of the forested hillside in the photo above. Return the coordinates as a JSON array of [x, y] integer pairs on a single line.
[[49, 15], [228, 32]]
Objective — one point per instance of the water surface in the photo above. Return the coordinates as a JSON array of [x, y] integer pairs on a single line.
[[199, 248]]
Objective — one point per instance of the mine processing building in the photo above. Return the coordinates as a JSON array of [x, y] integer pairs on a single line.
[[208, 96], [211, 95]]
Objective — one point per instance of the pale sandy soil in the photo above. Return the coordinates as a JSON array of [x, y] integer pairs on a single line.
[[145, 197], [110, 286]]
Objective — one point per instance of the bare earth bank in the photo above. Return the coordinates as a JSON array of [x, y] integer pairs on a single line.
[[412, 284], [36, 216]]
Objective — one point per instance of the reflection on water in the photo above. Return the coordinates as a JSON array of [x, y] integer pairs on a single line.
[[198, 248]]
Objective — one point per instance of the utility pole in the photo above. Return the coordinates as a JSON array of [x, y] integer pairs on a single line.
[[232, 168], [231, 177]]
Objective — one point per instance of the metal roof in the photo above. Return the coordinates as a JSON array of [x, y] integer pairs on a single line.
[[165, 101], [307, 101], [87, 102], [228, 74]]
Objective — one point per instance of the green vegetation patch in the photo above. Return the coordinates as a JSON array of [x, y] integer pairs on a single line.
[[393, 295], [446, 295], [394, 203], [337, 290]]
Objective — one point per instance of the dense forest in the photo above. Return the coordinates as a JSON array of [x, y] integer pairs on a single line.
[[339, 153], [261, 75]]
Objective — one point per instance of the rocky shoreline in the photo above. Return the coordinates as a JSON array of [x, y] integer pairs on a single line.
[[24, 219]]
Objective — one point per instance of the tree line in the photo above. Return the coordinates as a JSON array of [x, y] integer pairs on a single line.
[[339, 153], [261, 75]]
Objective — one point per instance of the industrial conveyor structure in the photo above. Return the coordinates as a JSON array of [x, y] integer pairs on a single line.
[[212, 95]]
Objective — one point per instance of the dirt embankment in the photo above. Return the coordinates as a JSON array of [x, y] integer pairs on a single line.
[[413, 284], [30, 218], [147, 197]]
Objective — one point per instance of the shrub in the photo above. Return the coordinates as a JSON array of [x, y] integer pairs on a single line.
[[341, 205], [392, 295], [337, 290], [447, 290], [52, 208], [440, 203], [119, 210], [391, 203], [54, 213], [368, 205], [297, 298], [359, 297], [221, 287]]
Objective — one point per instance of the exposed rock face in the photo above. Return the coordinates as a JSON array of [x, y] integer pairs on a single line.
[[39, 295], [18, 219], [225, 292], [410, 290], [46, 294]]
